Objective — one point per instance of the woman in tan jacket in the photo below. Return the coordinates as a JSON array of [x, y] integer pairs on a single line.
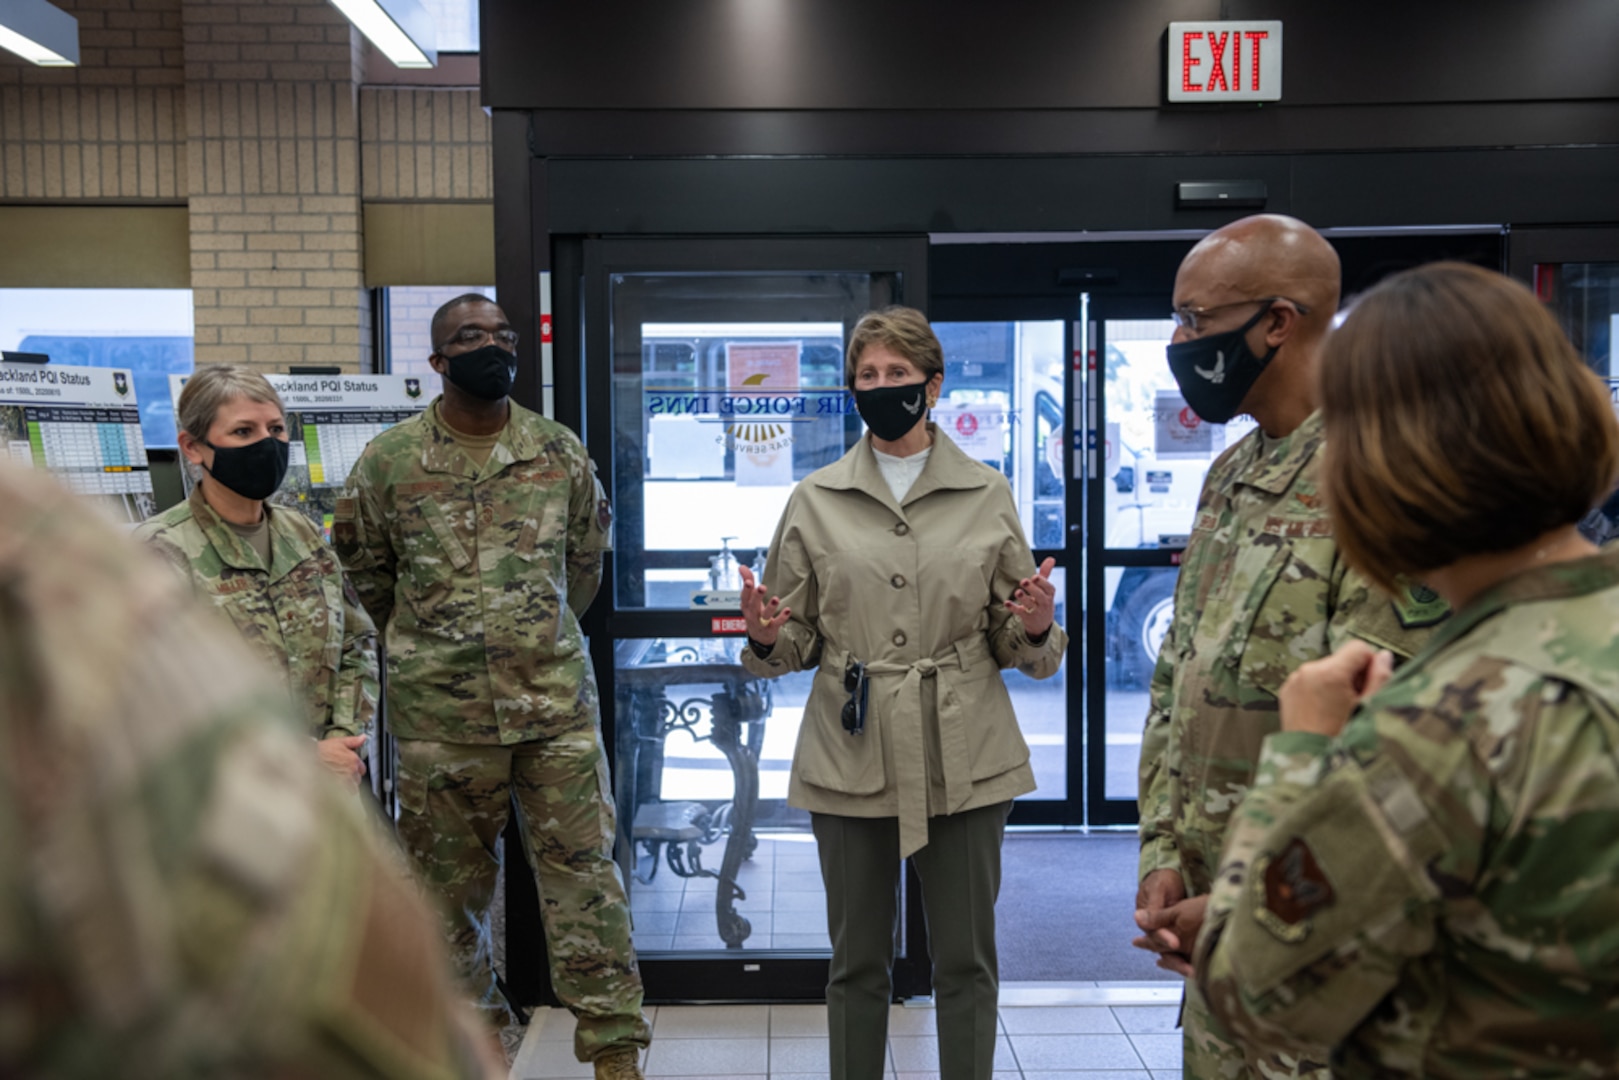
[[900, 572]]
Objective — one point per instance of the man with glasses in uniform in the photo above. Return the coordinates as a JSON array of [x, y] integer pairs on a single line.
[[1262, 588], [474, 535]]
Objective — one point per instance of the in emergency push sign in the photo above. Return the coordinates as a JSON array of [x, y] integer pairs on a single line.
[[1225, 61]]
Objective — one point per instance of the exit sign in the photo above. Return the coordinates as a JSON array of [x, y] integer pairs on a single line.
[[1225, 61]]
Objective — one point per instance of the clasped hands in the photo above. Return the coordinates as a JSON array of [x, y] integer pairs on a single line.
[[1319, 698]]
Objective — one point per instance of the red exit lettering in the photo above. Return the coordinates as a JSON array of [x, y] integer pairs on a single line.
[[1226, 61], [728, 625]]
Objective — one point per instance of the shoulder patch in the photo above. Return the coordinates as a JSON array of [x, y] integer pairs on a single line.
[[1288, 889], [1418, 607]]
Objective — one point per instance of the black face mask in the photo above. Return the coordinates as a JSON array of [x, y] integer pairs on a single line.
[[485, 373], [1216, 371], [254, 471], [891, 411]]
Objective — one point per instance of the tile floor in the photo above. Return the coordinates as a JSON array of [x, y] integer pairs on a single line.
[[1089, 1031], [785, 904]]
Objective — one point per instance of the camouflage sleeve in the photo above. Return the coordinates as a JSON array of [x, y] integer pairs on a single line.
[[1155, 790], [1401, 624], [1323, 893], [250, 923], [590, 524], [174, 557], [790, 575], [320, 915], [354, 705], [360, 537]]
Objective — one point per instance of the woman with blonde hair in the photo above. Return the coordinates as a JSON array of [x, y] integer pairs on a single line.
[[900, 573], [266, 568], [1425, 876]]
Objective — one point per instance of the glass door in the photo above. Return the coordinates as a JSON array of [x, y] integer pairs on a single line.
[[714, 373], [1149, 458], [1576, 273], [1005, 402]]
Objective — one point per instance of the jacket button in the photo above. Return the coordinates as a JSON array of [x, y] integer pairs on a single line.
[[901, 529], [898, 581], [899, 638]]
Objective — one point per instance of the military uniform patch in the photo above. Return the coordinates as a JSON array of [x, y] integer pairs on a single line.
[[604, 514], [1288, 889], [1418, 606]]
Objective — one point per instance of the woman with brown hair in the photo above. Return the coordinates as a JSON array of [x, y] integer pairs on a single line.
[[901, 575], [1426, 874]]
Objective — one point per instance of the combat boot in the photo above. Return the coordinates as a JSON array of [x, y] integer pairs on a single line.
[[619, 1063]]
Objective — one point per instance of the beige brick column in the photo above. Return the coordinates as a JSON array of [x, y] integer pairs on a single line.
[[273, 178]]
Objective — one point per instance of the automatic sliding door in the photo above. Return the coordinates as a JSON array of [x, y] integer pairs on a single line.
[[1154, 455], [1004, 403], [715, 377]]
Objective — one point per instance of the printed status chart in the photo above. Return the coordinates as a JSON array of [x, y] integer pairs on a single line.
[[81, 424]]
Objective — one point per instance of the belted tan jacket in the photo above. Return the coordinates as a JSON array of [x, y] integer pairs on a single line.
[[916, 591]]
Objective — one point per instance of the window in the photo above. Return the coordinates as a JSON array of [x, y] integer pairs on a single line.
[[148, 331], [456, 22]]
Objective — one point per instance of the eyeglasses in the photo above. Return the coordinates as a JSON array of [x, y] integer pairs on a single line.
[[471, 336], [1186, 316]]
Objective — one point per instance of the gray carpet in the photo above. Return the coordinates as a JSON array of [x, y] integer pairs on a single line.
[[1066, 909]]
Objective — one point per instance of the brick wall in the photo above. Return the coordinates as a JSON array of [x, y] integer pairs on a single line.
[[273, 162], [112, 128], [250, 113], [424, 144]]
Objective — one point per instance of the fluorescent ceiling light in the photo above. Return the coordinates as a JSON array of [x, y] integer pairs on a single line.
[[401, 29], [39, 32]]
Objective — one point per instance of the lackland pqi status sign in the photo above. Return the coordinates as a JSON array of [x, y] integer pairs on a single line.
[[1225, 61]]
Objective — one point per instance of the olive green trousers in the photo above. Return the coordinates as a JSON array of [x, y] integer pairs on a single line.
[[960, 870]]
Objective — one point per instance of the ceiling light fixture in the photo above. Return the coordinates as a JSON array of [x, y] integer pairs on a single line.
[[39, 32], [401, 29]]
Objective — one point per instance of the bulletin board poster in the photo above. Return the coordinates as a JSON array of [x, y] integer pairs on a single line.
[[330, 420], [82, 425]]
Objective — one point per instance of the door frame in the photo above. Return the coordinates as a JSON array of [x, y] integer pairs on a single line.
[[709, 975]]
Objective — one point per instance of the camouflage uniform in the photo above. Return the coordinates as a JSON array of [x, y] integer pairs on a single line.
[[1262, 589], [1435, 892], [300, 614], [478, 575], [183, 891]]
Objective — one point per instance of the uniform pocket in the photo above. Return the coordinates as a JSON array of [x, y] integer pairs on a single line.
[[436, 556], [1284, 621], [545, 533], [410, 779], [829, 757]]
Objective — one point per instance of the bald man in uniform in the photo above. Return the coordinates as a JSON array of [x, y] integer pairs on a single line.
[[1262, 587]]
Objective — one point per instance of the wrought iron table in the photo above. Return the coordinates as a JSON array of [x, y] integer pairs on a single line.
[[727, 707]]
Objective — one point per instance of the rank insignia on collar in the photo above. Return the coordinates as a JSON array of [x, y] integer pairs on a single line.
[[1287, 889], [1418, 607]]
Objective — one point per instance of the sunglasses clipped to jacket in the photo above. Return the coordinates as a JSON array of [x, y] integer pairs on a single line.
[[854, 710]]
